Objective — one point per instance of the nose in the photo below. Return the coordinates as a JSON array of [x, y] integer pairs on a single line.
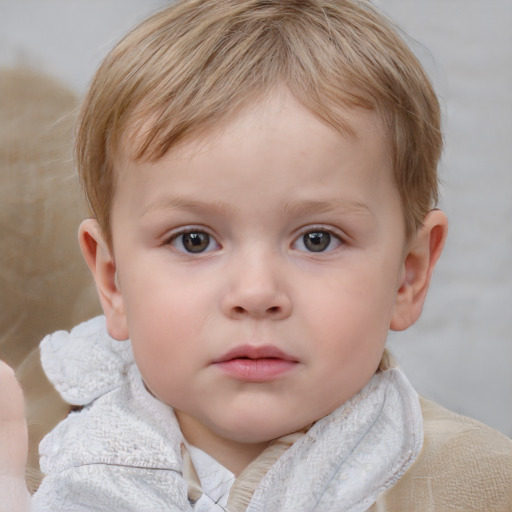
[[256, 289]]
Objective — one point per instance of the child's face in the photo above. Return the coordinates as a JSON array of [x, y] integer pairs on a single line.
[[258, 269]]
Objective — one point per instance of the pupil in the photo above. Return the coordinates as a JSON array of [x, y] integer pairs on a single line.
[[317, 241], [196, 242]]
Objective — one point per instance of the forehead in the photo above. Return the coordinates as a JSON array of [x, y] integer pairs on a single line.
[[352, 123], [276, 147]]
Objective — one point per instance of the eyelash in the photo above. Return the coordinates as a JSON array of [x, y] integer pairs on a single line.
[[195, 240], [333, 237], [203, 241]]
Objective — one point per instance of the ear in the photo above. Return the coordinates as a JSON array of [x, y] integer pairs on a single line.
[[100, 260], [423, 251]]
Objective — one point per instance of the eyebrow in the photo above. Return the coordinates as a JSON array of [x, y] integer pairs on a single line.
[[338, 205], [184, 203], [296, 208]]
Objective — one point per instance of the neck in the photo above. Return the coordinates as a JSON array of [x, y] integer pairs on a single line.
[[233, 455]]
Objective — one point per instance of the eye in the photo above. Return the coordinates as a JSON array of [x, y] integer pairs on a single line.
[[317, 240], [193, 242]]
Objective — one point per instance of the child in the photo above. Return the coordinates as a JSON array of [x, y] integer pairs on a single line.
[[262, 175]]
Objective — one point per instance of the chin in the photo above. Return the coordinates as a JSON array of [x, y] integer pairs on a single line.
[[259, 430]]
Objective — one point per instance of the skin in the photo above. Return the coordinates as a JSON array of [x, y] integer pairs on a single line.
[[13, 444], [258, 191]]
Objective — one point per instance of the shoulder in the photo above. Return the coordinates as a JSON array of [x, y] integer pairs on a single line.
[[451, 437], [464, 465]]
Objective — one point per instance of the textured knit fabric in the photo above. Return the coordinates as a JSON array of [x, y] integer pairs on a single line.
[[122, 450], [464, 466]]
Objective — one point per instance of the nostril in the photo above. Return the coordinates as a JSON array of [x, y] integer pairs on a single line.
[[239, 310]]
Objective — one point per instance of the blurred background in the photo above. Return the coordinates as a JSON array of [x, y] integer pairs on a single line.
[[460, 352]]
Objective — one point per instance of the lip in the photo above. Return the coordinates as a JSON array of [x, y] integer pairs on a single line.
[[256, 364]]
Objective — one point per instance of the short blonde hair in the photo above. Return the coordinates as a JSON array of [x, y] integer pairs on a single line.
[[198, 62]]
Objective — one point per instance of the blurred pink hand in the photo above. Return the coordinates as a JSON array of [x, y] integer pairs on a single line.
[[14, 496]]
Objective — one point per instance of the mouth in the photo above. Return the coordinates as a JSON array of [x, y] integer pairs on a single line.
[[256, 364]]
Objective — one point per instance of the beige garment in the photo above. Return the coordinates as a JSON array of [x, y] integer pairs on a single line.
[[464, 466]]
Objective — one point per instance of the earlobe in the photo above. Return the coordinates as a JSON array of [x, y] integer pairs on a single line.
[[423, 252], [100, 260]]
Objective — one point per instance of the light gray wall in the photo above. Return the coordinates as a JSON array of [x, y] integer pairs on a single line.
[[460, 353]]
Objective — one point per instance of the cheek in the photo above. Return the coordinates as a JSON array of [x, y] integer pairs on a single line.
[[349, 317], [160, 304], [163, 356], [167, 319]]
